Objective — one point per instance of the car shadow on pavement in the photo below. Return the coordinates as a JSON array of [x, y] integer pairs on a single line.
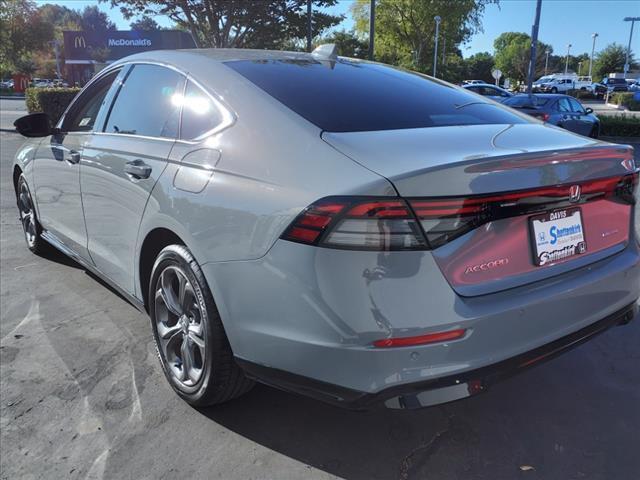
[[556, 418]]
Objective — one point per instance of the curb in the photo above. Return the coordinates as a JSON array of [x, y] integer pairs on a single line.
[[8, 130], [12, 97]]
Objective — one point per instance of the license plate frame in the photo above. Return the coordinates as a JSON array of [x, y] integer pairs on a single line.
[[569, 241]]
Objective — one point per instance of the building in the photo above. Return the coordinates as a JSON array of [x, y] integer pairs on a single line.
[[87, 52]]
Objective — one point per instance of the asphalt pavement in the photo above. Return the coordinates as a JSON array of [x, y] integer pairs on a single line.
[[82, 396]]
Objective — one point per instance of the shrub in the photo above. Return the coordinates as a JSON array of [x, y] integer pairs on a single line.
[[52, 101], [625, 99], [620, 126], [581, 94]]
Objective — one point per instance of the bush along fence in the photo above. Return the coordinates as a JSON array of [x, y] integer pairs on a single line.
[[620, 126], [630, 100], [52, 101]]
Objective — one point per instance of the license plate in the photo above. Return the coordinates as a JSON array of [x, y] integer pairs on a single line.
[[557, 235]]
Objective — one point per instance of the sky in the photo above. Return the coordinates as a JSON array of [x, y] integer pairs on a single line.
[[561, 22]]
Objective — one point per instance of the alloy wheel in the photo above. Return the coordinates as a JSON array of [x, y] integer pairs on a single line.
[[27, 215], [180, 327]]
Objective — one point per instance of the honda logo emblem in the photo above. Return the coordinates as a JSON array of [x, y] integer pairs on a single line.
[[574, 193], [79, 42]]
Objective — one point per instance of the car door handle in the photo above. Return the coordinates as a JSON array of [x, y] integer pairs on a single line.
[[73, 157], [137, 169]]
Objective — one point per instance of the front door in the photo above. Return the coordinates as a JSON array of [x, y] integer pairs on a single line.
[[123, 164], [57, 168]]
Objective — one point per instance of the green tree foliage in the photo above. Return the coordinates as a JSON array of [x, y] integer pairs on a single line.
[[348, 44], [95, 20], [22, 31], [405, 28], [478, 67], [236, 23], [611, 60], [512, 54], [145, 24]]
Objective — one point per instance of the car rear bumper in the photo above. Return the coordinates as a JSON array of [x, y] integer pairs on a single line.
[[315, 312], [437, 390]]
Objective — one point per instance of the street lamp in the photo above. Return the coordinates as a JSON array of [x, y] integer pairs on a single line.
[[626, 63], [566, 64], [546, 61], [435, 50], [593, 48]]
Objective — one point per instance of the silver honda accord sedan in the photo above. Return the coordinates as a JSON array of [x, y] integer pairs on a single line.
[[334, 227]]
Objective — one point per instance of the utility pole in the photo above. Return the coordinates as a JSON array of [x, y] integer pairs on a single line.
[[534, 45], [626, 63], [566, 64], [593, 49], [579, 68], [546, 62], [309, 31], [372, 27], [435, 50], [56, 52]]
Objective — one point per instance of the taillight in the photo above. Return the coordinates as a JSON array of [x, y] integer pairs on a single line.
[[365, 223], [358, 223]]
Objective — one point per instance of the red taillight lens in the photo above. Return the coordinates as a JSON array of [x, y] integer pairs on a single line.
[[358, 223], [436, 337]]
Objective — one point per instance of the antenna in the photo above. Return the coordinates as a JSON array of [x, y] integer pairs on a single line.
[[328, 51]]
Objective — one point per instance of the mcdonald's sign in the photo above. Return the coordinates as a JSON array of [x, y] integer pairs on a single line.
[[79, 42]]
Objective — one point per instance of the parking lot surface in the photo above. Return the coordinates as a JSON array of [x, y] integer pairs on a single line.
[[83, 396]]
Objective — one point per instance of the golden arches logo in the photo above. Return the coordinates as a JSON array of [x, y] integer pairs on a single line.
[[79, 42]]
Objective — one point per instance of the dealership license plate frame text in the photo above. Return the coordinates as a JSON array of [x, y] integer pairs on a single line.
[[557, 235]]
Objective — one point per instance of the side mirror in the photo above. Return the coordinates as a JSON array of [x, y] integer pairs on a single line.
[[588, 110], [33, 125]]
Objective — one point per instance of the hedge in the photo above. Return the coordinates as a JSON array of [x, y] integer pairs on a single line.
[[625, 99], [52, 101], [582, 94], [620, 126]]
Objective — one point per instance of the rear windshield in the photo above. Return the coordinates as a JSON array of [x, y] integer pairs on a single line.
[[526, 101], [349, 96]]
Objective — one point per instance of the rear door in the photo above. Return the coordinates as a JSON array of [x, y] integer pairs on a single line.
[[123, 162], [583, 122], [568, 118]]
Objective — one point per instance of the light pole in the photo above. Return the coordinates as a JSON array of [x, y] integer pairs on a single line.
[[579, 68], [372, 27], [435, 50], [626, 63], [309, 25], [566, 64], [593, 49], [546, 61], [534, 45]]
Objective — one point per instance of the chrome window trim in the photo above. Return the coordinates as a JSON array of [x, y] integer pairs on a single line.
[[229, 116]]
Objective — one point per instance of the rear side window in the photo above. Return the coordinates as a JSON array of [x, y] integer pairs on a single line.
[[200, 114], [146, 103], [348, 96]]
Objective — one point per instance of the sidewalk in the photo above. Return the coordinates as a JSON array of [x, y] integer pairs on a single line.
[[10, 110]]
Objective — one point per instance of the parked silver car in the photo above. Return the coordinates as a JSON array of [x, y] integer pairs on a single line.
[[330, 226]]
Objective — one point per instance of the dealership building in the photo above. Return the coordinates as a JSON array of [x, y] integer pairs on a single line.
[[87, 52]]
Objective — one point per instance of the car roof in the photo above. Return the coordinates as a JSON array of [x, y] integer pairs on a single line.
[[217, 55], [481, 85]]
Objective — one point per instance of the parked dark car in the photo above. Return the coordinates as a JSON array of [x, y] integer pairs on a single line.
[[487, 90], [599, 90], [615, 84], [561, 110]]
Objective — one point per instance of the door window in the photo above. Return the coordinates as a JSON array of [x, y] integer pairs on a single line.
[[83, 114], [563, 105], [575, 106], [200, 114], [146, 103]]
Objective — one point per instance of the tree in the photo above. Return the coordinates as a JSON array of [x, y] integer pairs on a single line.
[[145, 24], [512, 54], [348, 44], [611, 60], [22, 31], [405, 28], [237, 23], [479, 66], [95, 20]]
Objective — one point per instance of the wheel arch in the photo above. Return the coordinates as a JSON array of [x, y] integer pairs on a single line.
[[153, 243], [17, 171]]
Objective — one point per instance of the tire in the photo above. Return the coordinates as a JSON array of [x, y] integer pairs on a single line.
[[190, 340], [594, 131], [554, 90], [28, 218]]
